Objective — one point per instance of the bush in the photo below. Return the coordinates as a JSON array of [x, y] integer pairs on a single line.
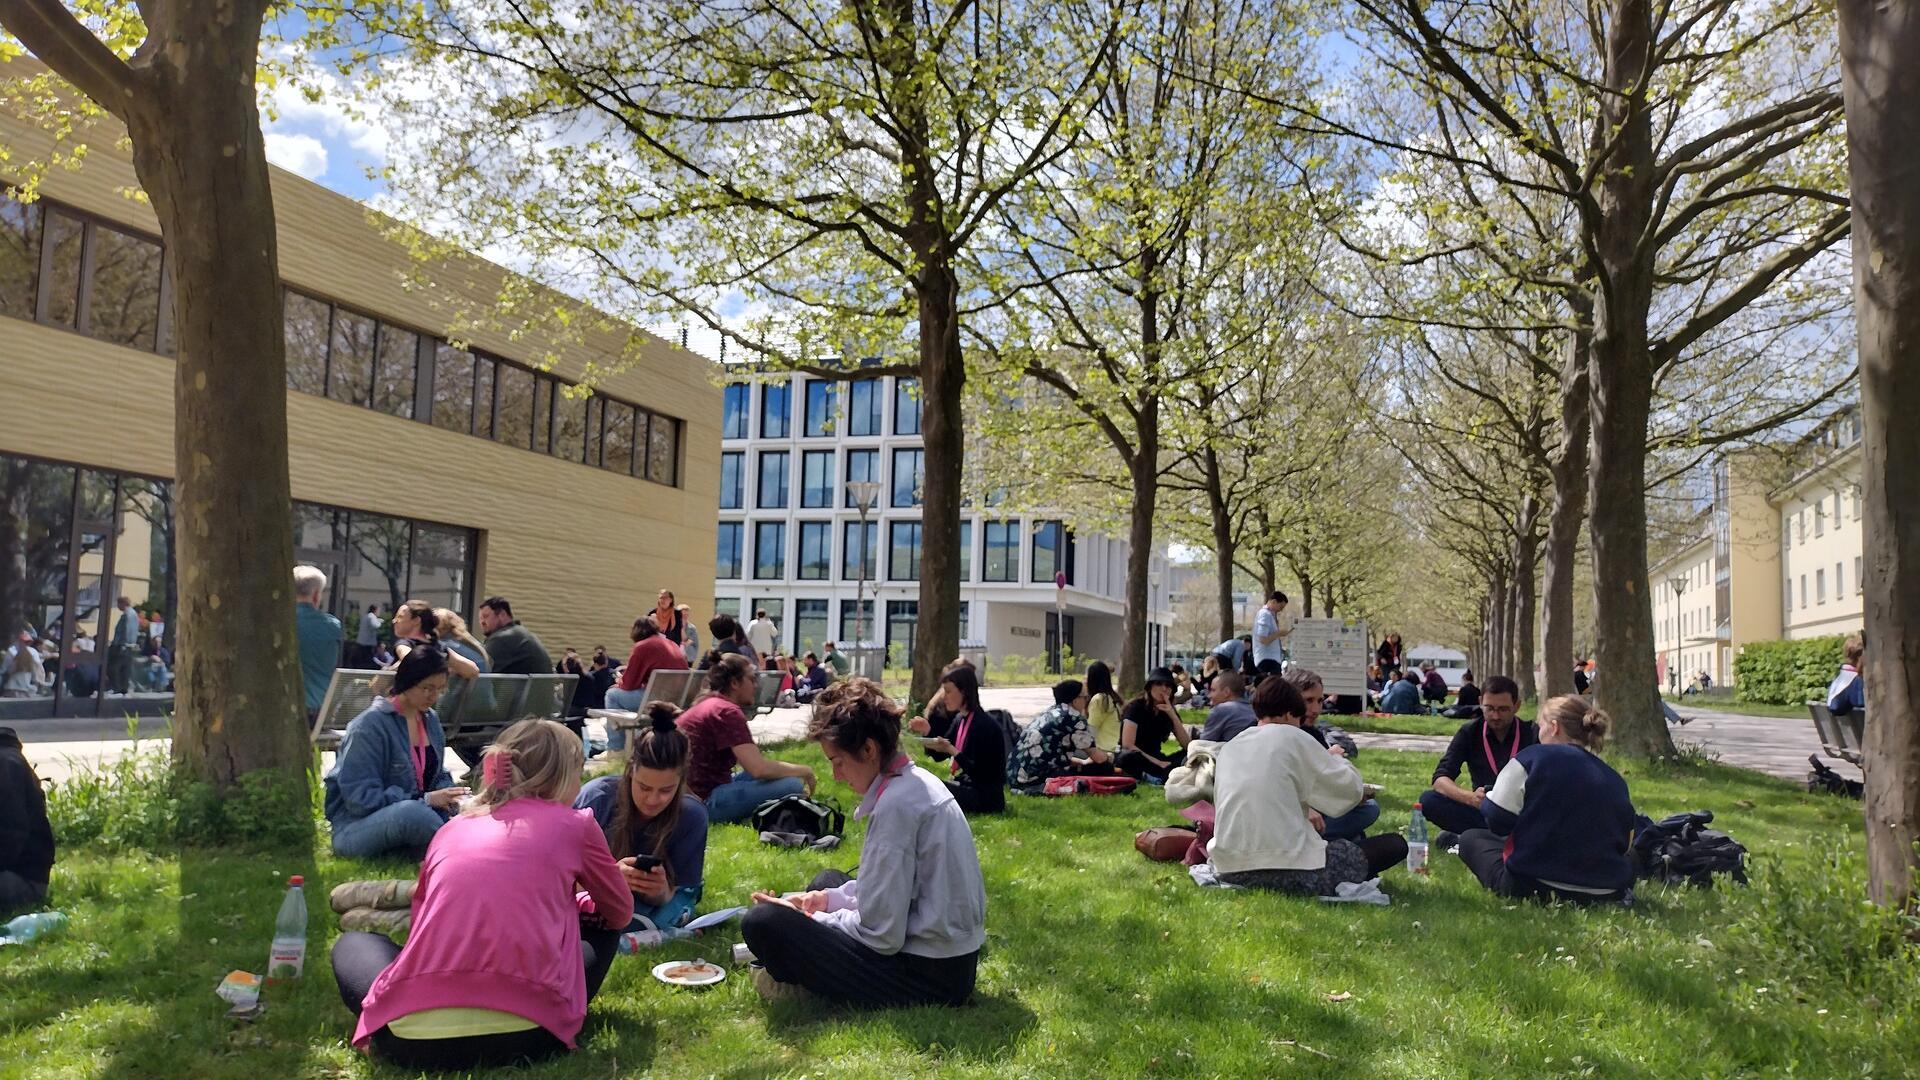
[[141, 803], [1813, 929], [1786, 672]]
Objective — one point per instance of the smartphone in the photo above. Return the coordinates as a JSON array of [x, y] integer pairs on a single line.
[[646, 862]]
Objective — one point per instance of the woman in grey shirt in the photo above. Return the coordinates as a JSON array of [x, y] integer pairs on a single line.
[[908, 930]]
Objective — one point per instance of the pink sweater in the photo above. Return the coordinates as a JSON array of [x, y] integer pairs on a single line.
[[496, 924]]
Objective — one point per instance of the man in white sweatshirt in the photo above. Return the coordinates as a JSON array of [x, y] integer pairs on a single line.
[[1272, 787]]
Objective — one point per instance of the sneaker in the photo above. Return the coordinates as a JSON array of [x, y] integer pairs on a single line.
[[1448, 842], [772, 989]]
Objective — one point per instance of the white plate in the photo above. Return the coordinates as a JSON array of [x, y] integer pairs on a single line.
[[660, 972]]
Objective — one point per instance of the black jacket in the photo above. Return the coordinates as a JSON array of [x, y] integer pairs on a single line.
[[26, 840]]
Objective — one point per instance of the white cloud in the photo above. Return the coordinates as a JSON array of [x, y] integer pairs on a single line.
[[301, 154]]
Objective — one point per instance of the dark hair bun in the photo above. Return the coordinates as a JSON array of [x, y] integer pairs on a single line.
[[661, 716]]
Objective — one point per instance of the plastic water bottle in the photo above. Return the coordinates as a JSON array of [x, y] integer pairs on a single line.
[[25, 928], [289, 953], [1417, 842], [636, 940]]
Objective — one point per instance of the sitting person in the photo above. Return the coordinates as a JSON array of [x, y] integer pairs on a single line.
[[459, 640], [1467, 704], [1484, 746], [1145, 726], [416, 623], [716, 726], [26, 839], [1233, 714], [655, 828], [974, 741], [1058, 743], [1209, 670], [1433, 685], [1559, 819], [816, 679], [389, 790], [1848, 691], [729, 639], [495, 969], [1183, 689], [1402, 696], [1272, 787], [1103, 707], [652, 651], [908, 930]]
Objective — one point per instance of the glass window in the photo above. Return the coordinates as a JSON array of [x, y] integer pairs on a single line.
[[906, 406], [820, 403], [773, 480], [1820, 518], [308, 324], [595, 414], [726, 563], [776, 409], [966, 621], [1803, 590], [616, 438], [1003, 551], [1820, 586], [63, 233], [861, 465], [483, 403], [856, 623], [903, 618], [863, 407], [816, 551], [909, 473], [733, 480], [19, 257], [769, 550], [542, 413], [569, 423], [809, 626], [727, 605], [350, 364], [1048, 539], [452, 384], [513, 410], [966, 551], [1839, 583], [442, 567], [124, 305], [663, 450], [816, 478], [377, 561], [393, 371], [733, 420], [903, 554], [857, 550]]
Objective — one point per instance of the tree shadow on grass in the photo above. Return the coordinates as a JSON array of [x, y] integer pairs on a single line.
[[989, 1024]]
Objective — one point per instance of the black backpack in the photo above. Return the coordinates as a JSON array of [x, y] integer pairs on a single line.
[[1681, 849], [1823, 778], [799, 814]]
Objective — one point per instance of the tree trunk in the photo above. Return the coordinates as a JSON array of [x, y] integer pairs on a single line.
[[1497, 621], [1622, 388], [1878, 45], [1526, 555], [942, 384], [198, 153], [1224, 549], [1306, 595], [1145, 476], [1568, 513]]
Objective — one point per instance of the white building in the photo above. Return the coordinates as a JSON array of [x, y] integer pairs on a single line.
[[791, 539]]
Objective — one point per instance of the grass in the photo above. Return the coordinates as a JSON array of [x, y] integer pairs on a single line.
[[1404, 725], [1098, 963]]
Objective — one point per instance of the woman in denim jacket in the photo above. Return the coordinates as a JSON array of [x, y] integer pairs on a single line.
[[389, 790]]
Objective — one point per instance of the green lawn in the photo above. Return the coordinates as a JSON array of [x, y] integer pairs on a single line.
[[1432, 724], [1098, 963]]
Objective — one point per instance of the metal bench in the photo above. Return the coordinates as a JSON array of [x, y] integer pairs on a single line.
[[1844, 737], [766, 692], [471, 712], [679, 687]]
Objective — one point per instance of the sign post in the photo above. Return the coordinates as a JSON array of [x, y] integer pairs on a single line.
[[1333, 650]]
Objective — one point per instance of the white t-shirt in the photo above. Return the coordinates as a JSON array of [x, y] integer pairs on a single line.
[[1264, 781], [761, 634]]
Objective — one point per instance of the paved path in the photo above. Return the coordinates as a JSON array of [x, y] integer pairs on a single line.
[[1777, 745]]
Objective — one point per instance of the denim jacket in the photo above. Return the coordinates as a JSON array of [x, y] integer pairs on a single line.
[[374, 766]]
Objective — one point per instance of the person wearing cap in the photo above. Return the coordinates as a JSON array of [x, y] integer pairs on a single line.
[[26, 839], [1057, 743], [1146, 724]]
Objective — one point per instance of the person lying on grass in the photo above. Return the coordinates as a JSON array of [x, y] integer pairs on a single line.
[[1313, 696], [716, 729], [503, 954], [972, 739], [1058, 743], [655, 827], [1484, 746], [389, 790], [1559, 819], [908, 930], [1269, 786]]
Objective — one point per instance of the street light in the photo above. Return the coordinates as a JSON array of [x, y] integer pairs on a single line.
[[1153, 609], [1678, 583], [864, 494]]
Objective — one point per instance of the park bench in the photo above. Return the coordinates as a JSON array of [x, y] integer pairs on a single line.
[[1844, 737], [472, 712], [678, 687]]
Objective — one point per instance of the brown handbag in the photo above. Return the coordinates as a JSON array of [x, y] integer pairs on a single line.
[[1164, 843]]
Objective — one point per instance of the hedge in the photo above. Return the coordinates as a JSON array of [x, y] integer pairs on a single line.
[[1786, 672]]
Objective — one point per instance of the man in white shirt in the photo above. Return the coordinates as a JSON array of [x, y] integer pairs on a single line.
[[1271, 625], [762, 634]]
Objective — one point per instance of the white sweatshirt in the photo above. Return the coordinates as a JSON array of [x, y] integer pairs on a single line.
[[1264, 782]]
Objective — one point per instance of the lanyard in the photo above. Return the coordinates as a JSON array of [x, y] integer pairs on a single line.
[[1488, 747], [960, 740], [418, 751], [894, 768]]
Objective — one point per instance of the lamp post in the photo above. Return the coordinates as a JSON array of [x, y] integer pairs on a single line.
[[1678, 583], [1153, 609], [865, 493]]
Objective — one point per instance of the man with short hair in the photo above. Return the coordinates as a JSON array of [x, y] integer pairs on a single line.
[[837, 660], [730, 640], [318, 633], [1270, 629], [1484, 746], [762, 634], [511, 648], [366, 637], [1235, 654], [1313, 697], [121, 646], [1233, 714]]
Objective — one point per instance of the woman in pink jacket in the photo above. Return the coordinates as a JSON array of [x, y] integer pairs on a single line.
[[505, 951]]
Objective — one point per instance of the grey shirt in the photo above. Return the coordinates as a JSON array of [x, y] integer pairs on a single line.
[[369, 634], [1227, 719]]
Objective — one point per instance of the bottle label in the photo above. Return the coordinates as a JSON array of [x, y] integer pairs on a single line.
[[287, 959], [1417, 858]]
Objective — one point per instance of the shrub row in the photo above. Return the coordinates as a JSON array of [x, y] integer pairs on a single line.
[[1786, 672]]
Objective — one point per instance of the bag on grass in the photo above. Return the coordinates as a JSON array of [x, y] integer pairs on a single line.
[[801, 814], [1164, 843], [1822, 778], [1089, 785], [1681, 849]]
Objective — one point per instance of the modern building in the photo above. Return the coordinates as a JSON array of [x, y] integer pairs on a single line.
[[420, 468], [793, 541], [1776, 554]]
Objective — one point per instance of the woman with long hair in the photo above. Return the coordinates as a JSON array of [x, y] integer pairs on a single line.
[[389, 789], [716, 728], [1103, 707], [669, 617], [655, 827], [416, 623], [1146, 724], [974, 741], [497, 967], [458, 639]]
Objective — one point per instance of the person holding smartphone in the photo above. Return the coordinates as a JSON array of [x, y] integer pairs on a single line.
[[389, 789], [655, 827]]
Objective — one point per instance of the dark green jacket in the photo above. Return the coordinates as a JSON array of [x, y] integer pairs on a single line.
[[513, 650]]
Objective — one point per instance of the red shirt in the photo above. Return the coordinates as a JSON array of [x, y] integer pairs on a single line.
[[714, 726], [649, 655]]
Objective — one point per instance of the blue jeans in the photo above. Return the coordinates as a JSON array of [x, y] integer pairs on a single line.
[[678, 909], [621, 699], [1353, 823], [737, 799], [401, 826]]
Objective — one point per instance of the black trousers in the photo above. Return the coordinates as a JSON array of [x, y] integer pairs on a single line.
[[359, 958], [1449, 816], [1135, 764], [830, 964], [1485, 855], [975, 800]]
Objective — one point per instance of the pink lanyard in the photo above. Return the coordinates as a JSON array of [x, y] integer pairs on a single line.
[[894, 768], [1488, 747], [418, 751], [960, 741]]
